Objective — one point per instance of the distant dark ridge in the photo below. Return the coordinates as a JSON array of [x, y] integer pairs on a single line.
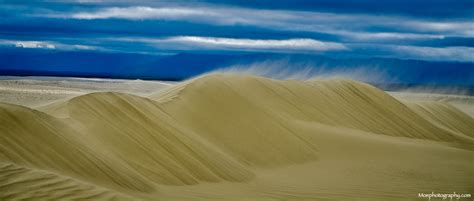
[[83, 75], [398, 73]]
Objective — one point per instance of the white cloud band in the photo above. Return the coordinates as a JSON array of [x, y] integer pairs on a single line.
[[34, 44], [45, 45], [238, 44], [435, 53], [281, 19]]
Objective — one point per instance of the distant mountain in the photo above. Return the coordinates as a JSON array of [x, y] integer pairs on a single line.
[[185, 65], [86, 64]]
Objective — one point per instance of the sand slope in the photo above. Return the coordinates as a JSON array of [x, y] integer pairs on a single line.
[[339, 103], [19, 183], [229, 137], [32, 138], [445, 116], [136, 128]]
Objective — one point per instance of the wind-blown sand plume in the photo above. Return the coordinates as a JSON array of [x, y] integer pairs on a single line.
[[230, 137]]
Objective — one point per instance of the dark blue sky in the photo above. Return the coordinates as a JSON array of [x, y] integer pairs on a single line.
[[425, 30], [391, 41]]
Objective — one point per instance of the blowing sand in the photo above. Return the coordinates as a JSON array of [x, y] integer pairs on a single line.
[[229, 137]]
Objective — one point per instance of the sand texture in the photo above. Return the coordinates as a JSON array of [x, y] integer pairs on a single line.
[[232, 137]]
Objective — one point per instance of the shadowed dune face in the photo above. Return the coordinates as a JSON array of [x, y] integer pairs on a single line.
[[136, 128], [32, 138], [237, 137]]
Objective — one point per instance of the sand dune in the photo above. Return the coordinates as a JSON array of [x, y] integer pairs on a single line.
[[40, 91], [445, 116], [32, 138], [136, 128], [229, 137], [337, 102], [461, 102]]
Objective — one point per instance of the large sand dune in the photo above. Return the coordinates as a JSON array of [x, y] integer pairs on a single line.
[[229, 137]]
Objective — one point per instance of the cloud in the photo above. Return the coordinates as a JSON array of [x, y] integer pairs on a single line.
[[28, 44], [258, 30], [45, 45], [239, 44], [34, 44], [84, 47], [296, 45], [461, 28], [465, 54], [140, 13], [377, 36], [309, 21], [234, 43]]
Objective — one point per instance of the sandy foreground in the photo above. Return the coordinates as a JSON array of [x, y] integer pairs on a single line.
[[230, 137]]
